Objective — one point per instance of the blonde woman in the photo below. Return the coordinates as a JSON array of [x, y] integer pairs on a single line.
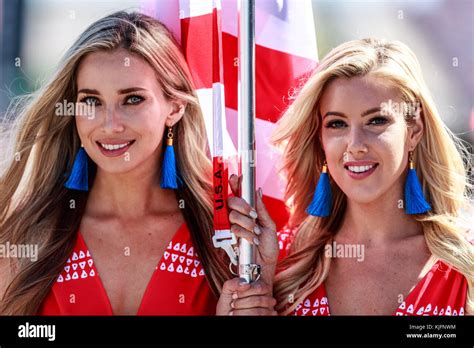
[[86, 190], [382, 232]]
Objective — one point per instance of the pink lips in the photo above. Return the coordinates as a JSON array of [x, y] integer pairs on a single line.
[[116, 152], [362, 175]]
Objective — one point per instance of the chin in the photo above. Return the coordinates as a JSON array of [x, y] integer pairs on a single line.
[[116, 168], [362, 196]]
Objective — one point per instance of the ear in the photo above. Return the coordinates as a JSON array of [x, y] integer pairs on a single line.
[[415, 130], [177, 109]]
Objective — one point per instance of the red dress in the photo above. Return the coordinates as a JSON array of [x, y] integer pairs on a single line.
[[177, 287], [442, 291]]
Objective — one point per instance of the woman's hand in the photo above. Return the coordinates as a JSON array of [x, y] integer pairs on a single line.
[[256, 226], [246, 299]]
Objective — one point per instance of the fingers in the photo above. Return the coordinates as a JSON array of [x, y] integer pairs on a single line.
[[234, 182], [242, 217], [241, 232], [246, 299], [240, 205], [258, 288], [244, 221], [254, 302], [233, 285], [264, 217]]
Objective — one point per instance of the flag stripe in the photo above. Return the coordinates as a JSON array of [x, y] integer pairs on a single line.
[[287, 71], [267, 157], [200, 47], [197, 8], [209, 100], [272, 93], [283, 25], [285, 54]]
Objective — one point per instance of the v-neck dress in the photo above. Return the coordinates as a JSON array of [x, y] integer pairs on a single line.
[[442, 291], [178, 285]]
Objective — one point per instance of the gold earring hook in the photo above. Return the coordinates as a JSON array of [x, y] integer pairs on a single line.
[[325, 167], [169, 141]]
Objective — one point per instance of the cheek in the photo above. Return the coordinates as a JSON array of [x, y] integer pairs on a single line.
[[150, 125], [391, 144], [334, 146], [85, 126]]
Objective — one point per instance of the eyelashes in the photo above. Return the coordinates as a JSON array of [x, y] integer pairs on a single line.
[[380, 121], [90, 101], [375, 121], [133, 99], [138, 99], [336, 124]]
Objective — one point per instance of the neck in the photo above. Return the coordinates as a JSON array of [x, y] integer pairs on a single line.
[[131, 195], [379, 222]]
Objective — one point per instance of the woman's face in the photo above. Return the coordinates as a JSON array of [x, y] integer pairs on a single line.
[[365, 138], [130, 111]]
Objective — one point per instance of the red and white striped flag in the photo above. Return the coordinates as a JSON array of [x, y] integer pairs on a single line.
[[285, 53]]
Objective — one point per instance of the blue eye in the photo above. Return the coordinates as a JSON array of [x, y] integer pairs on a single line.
[[134, 99], [336, 124], [90, 101], [377, 121]]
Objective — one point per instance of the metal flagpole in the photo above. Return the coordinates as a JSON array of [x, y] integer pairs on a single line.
[[248, 270]]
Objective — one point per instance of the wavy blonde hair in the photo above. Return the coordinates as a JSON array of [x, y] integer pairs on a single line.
[[439, 163], [34, 205]]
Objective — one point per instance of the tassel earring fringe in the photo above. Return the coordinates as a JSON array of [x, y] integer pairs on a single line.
[[79, 178], [169, 175], [415, 202], [322, 199]]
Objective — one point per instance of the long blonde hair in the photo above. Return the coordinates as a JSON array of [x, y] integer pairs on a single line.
[[35, 206], [439, 163]]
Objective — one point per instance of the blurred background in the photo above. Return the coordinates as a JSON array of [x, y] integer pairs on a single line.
[[35, 33]]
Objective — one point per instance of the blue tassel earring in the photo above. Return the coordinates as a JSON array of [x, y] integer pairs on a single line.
[[169, 175], [79, 178], [415, 202], [322, 199]]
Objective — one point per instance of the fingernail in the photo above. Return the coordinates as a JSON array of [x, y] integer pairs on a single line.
[[235, 296], [232, 305], [231, 313], [256, 241], [260, 193], [253, 214], [257, 230]]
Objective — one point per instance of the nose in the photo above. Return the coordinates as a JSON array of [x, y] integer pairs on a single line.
[[112, 121], [356, 142]]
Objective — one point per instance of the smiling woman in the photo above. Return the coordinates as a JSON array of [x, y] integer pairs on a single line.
[[367, 117], [86, 190], [390, 182], [130, 110]]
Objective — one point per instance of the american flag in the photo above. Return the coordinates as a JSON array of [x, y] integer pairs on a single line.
[[285, 52]]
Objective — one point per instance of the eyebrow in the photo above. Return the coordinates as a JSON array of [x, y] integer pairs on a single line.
[[120, 91], [365, 113]]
